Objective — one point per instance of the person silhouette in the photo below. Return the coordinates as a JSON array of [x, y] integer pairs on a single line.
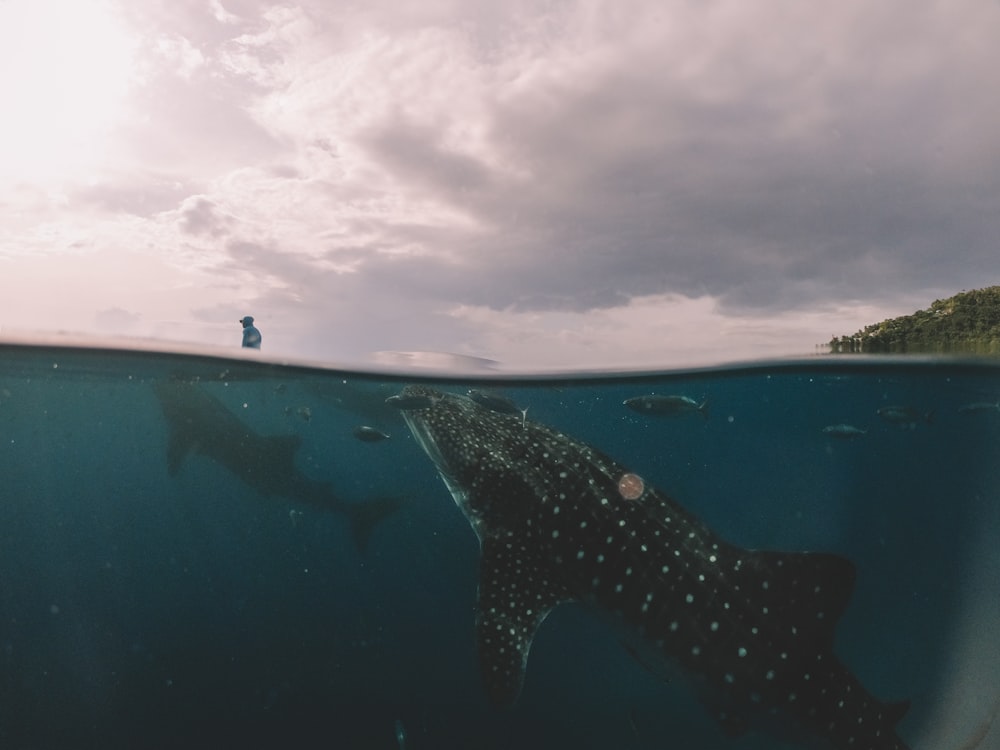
[[251, 336]]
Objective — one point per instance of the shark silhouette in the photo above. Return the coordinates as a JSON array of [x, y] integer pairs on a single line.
[[200, 423], [558, 521]]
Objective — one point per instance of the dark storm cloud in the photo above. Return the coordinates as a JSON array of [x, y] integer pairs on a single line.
[[413, 154], [772, 178], [769, 160]]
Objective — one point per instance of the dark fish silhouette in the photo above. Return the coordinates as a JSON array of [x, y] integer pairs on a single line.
[[200, 423], [559, 521], [494, 402], [402, 402], [666, 406], [905, 416]]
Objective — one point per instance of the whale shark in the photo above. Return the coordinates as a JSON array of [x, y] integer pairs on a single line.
[[559, 521], [201, 424]]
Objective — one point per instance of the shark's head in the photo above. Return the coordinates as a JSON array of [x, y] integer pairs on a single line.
[[419, 406], [500, 467], [454, 431]]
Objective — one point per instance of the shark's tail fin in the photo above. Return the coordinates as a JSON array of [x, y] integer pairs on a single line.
[[364, 517]]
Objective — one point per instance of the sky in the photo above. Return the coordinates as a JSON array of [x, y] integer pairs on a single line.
[[544, 184]]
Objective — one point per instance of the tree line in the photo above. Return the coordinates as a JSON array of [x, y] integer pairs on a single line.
[[969, 322]]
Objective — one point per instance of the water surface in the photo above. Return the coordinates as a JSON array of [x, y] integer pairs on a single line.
[[148, 604]]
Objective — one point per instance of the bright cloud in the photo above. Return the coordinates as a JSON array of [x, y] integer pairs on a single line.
[[65, 69]]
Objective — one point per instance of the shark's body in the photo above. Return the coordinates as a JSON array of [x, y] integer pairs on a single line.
[[200, 423], [558, 521]]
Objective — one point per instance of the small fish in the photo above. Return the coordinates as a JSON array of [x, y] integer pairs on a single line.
[[844, 431], [408, 402], [905, 416], [494, 402], [979, 406], [367, 434], [669, 406]]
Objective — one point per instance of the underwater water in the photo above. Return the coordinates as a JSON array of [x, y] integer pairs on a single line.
[[199, 552]]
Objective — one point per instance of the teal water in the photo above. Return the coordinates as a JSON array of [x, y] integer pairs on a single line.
[[156, 600]]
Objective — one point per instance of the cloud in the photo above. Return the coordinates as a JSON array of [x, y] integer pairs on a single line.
[[668, 150], [198, 215], [181, 54], [433, 171], [221, 14], [116, 320], [143, 195]]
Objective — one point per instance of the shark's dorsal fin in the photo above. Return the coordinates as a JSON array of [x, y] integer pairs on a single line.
[[515, 595]]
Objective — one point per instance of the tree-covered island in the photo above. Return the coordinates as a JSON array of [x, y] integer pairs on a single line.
[[968, 323]]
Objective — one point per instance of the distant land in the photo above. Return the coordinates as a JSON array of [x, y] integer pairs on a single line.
[[968, 323]]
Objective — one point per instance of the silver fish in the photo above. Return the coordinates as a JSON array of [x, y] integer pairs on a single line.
[[844, 431], [367, 434], [979, 406]]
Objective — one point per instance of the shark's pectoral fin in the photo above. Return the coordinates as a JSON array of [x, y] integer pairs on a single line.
[[515, 595]]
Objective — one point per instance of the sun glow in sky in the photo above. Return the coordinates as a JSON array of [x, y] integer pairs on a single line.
[[66, 69], [573, 184]]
